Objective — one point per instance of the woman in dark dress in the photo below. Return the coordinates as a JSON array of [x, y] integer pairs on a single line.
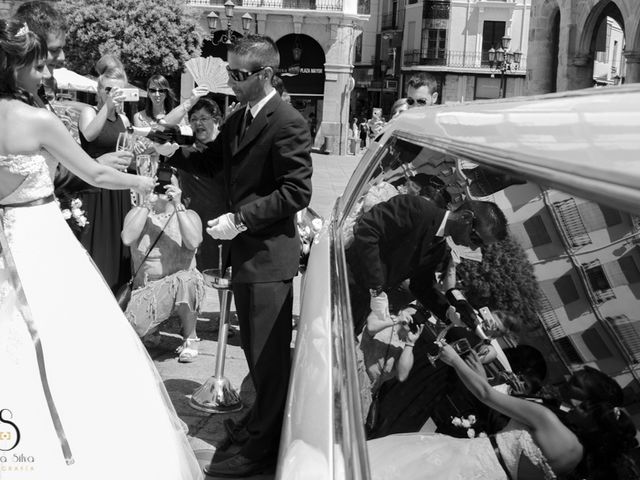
[[105, 209]]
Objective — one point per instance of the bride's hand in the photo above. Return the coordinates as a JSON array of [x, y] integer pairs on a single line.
[[118, 160], [145, 186]]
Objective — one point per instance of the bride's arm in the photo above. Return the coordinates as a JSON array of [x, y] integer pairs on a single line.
[[54, 137]]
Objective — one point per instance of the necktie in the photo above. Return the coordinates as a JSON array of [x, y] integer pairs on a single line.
[[248, 118]]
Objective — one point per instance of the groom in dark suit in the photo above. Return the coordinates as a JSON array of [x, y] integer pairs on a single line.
[[263, 151]]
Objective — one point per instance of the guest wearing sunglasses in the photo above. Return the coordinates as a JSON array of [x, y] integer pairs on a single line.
[[422, 90], [263, 153], [403, 239]]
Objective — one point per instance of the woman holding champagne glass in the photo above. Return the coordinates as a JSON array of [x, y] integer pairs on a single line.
[[100, 128]]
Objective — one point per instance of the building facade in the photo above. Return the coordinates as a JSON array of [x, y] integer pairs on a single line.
[[316, 40], [571, 40], [451, 39]]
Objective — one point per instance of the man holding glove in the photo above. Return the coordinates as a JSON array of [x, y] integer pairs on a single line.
[[264, 153]]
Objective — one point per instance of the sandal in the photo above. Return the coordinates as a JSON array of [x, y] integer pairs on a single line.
[[187, 353]]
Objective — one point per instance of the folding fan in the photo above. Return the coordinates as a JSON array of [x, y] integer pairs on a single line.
[[210, 72]]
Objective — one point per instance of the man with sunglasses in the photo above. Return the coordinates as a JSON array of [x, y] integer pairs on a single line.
[[422, 90], [264, 153], [404, 239]]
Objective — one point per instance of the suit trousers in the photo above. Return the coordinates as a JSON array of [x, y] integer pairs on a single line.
[[265, 313]]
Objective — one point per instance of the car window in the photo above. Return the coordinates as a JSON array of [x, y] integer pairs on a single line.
[[561, 291]]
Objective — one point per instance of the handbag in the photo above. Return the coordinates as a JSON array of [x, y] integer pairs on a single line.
[[123, 295], [373, 416]]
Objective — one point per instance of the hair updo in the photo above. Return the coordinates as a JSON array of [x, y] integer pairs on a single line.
[[19, 47]]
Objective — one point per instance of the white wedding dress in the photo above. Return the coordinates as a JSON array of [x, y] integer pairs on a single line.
[[80, 398], [416, 456]]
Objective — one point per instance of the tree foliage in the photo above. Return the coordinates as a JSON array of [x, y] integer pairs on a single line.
[[504, 280], [150, 36]]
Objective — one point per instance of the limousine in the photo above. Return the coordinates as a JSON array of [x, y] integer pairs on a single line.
[[565, 170]]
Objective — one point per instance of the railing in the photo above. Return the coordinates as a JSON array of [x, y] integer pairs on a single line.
[[329, 5], [572, 222], [452, 58]]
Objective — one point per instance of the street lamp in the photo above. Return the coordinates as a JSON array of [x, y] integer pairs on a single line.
[[504, 60], [213, 20]]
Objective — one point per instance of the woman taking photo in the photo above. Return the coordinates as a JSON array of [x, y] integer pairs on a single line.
[[105, 209]]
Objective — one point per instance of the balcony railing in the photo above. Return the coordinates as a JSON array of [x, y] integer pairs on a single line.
[[327, 5], [452, 58], [572, 223]]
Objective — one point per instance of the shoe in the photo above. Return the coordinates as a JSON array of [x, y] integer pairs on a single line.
[[225, 450], [238, 466], [188, 351], [237, 431]]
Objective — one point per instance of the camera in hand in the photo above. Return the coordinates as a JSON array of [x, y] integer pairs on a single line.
[[419, 318], [172, 133], [467, 313], [164, 174]]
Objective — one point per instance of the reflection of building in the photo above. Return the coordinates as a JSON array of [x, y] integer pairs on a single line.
[[570, 39], [316, 40], [587, 262]]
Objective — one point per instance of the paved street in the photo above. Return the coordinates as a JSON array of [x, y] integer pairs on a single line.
[[330, 176]]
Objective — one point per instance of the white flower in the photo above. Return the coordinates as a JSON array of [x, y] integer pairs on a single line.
[[76, 203], [466, 423], [76, 212], [482, 435], [472, 419], [471, 433], [457, 422], [66, 213], [317, 224]]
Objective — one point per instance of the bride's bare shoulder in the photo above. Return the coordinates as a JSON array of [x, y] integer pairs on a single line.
[[23, 126]]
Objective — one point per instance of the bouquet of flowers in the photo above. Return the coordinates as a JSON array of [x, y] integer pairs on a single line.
[[71, 209]]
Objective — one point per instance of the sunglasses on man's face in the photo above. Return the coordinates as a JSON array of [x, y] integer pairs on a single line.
[[420, 101], [242, 75]]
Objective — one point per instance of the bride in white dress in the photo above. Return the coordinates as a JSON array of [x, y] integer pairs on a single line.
[[591, 443], [79, 396]]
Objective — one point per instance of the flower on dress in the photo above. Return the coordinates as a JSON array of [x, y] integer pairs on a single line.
[[72, 212], [467, 423]]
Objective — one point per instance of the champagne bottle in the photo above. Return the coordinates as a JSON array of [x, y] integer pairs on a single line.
[[467, 313], [171, 133]]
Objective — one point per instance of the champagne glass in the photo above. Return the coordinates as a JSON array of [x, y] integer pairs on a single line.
[[125, 142], [441, 335]]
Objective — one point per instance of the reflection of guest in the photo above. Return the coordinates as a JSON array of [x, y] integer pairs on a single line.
[[398, 107], [205, 194], [404, 238], [105, 209], [168, 282]]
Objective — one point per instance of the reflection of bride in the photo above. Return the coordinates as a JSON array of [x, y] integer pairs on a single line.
[[590, 444], [79, 397]]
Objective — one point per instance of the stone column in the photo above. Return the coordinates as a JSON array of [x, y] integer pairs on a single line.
[[337, 89], [632, 74], [579, 72]]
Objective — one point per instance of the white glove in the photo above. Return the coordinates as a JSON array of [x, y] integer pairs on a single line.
[[166, 149], [223, 227], [380, 305]]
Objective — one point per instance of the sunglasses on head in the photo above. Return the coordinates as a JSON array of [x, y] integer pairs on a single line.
[[242, 75], [420, 101], [158, 90], [108, 89]]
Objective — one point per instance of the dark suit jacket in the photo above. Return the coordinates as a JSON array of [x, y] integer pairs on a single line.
[[267, 177], [395, 241]]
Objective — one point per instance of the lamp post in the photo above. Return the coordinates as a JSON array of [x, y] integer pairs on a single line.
[[213, 20], [383, 71], [504, 60]]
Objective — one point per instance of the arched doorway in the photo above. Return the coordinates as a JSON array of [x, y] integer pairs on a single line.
[[602, 42], [302, 62]]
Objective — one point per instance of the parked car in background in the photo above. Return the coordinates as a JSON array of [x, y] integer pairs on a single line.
[[565, 169]]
